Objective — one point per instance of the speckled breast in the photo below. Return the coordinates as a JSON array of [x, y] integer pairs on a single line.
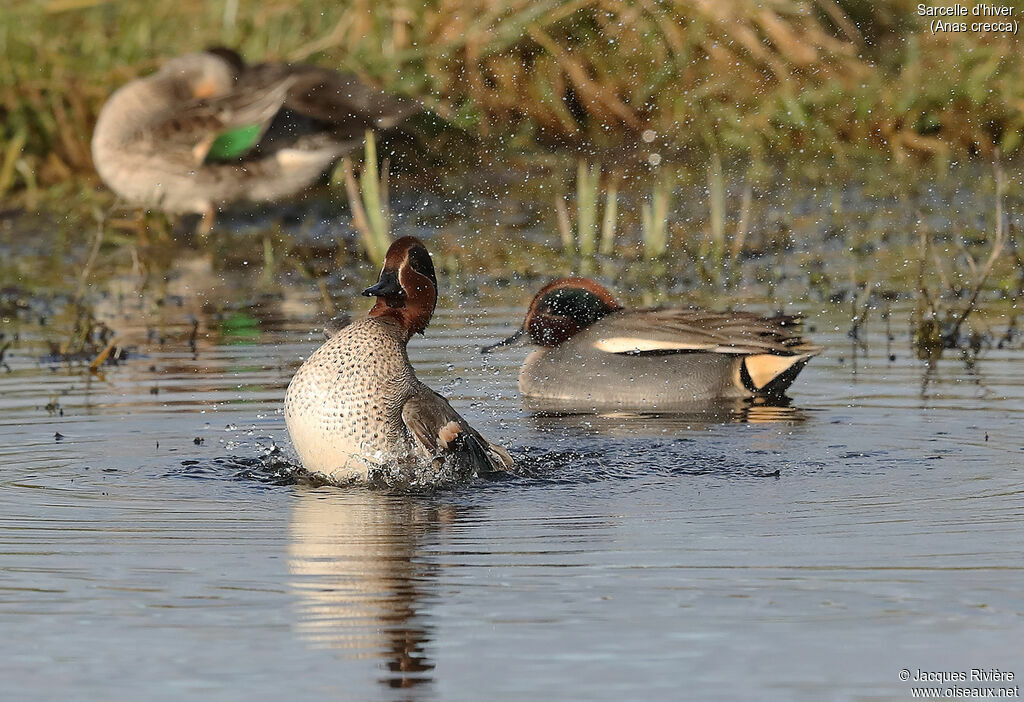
[[343, 407]]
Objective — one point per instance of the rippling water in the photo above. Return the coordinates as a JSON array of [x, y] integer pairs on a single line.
[[155, 543]]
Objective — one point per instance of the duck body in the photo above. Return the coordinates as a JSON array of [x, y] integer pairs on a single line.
[[207, 129], [355, 410], [597, 376], [593, 353], [343, 408]]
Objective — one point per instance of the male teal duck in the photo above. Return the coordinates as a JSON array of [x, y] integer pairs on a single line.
[[356, 411], [595, 353], [207, 129]]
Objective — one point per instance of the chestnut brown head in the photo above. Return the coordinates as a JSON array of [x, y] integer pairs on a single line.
[[562, 309], [406, 289]]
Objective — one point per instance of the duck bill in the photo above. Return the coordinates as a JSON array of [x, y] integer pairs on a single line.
[[387, 286], [505, 342]]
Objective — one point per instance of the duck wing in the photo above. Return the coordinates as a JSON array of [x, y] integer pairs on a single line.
[[442, 435], [695, 329], [338, 100], [220, 128]]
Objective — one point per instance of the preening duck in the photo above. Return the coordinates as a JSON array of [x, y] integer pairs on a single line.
[[208, 129]]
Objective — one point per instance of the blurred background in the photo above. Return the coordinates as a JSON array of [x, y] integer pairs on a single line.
[[826, 78]]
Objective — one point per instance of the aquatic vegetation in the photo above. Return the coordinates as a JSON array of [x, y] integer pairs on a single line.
[[12, 161], [587, 242], [611, 213], [716, 193], [654, 217], [936, 321], [718, 257], [586, 208], [368, 200]]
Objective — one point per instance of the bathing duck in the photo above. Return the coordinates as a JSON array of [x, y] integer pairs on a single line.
[[594, 352], [356, 411], [207, 129]]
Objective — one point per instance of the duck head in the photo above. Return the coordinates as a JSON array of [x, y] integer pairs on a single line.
[[562, 309], [201, 75], [406, 290]]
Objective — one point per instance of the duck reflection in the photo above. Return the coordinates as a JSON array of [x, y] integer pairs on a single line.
[[622, 420], [352, 557]]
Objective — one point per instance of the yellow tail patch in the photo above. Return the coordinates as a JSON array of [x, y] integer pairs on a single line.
[[763, 368]]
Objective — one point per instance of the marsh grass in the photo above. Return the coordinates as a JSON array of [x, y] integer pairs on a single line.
[[654, 216], [776, 272], [587, 177], [757, 79], [611, 213], [937, 320], [720, 250], [712, 249], [581, 235], [368, 200]]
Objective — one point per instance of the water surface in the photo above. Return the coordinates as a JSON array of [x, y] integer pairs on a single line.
[[154, 542]]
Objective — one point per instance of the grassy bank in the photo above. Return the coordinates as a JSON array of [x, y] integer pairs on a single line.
[[760, 79]]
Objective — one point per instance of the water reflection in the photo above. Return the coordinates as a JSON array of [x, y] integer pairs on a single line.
[[553, 414], [359, 586]]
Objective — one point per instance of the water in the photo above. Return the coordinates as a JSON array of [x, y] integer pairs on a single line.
[[161, 546]]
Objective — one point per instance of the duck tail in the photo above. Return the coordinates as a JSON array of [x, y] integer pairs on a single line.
[[470, 454], [500, 459], [769, 375]]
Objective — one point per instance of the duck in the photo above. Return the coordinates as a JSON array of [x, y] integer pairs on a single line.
[[207, 129], [357, 413], [593, 352]]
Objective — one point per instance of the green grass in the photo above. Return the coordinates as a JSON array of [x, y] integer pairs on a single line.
[[713, 249], [589, 238], [611, 213], [368, 201], [587, 181], [796, 79], [654, 217]]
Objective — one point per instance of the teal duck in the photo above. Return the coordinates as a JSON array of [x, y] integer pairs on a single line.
[[207, 129], [593, 352], [355, 409]]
